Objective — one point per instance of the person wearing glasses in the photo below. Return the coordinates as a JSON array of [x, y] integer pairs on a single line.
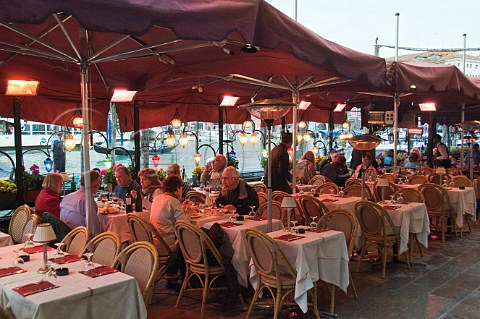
[[236, 193]]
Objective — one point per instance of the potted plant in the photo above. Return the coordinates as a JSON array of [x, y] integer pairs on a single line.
[[196, 173], [33, 183], [108, 177], [161, 173], [8, 194]]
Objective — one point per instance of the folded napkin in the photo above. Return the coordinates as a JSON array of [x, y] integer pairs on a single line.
[[257, 218], [391, 207], [229, 224], [31, 289], [11, 271], [35, 249], [66, 259], [99, 271], [317, 230], [329, 200], [289, 237]]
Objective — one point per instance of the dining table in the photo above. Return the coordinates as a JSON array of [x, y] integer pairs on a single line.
[[315, 256], [76, 295], [5, 240], [235, 231], [117, 222]]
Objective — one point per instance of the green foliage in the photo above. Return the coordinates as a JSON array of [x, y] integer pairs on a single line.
[[232, 161], [32, 181], [455, 152]]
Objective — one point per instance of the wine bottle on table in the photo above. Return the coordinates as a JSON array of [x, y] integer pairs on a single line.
[[138, 201], [128, 203]]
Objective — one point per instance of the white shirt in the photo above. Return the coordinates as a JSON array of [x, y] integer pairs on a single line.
[[165, 212]]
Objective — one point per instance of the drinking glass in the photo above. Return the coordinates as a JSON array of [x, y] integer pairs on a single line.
[[332, 191], [89, 264], [252, 212], [341, 193], [29, 241], [314, 224], [233, 212], [59, 250], [17, 260], [294, 223], [392, 199]]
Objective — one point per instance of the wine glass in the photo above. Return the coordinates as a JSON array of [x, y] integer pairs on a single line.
[[233, 212], [29, 241], [392, 199], [59, 251], [17, 260], [89, 264], [332, 191], [252, 212], [314, 224], [341, 193], [294, 223]]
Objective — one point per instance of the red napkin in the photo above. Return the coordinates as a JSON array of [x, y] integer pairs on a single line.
[[35, 249], [289, 237], [99, 271], [31, 289], [11, 271], [328, 200], [317, 230], [66, 259], [229, 224], [391, 207]]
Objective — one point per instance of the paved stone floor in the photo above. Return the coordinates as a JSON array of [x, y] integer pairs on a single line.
[[448, 287]]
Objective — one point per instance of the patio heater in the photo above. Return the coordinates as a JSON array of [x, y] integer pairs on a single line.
[[471, 126], [364, 143], [268, 110]]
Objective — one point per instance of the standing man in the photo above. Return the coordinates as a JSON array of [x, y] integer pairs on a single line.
[[58, 151], [125, 183], [72, 207], [337, 171], [281, 175], [441, 155]]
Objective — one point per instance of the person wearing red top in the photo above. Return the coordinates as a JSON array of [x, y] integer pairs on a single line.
[[49, 198]]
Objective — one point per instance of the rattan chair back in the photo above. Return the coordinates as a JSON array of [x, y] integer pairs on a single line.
[[279, 195], [356, 190], [317, 180], [353, 181], [312, 207], [262, 198], [143, 230], [30, 226], [326, 188], [438, 179], [277, 211], [105, 248], [76, 240], [19, 219], [411, 195], [389, 177], [417, 179], [388, 190], [196, 197], [260, 187], [462, 180]]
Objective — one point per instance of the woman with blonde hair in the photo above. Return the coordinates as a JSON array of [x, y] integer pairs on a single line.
[[48, 200], [151, 187], [306, 167]]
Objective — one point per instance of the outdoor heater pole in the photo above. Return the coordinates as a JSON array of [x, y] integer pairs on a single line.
[[462, 116], [136, 128], [18, 151], [295, 132], [220, 130], [269, 176], [396, 103]]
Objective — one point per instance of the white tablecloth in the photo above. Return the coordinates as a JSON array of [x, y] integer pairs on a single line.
[[237, 238], [411, 218], [347, 203], [111, 296], [5, 240], [118, 223], [318, 256]]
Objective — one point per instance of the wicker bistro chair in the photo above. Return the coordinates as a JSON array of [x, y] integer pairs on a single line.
[[20, 218], [425, 170], [317, 180], [76, 240], [353, 181], [274, 271], [378, 230], [194, 244], [345, 221], [196, 197], [435, 178], [417, 179], [390, 190], [143, 230], [262, 198], [462, 180], [326, 188], [279, 195], [356, 190], [30, 226], [105, 248], [277, 210], [439, 208], [140, 260], [389, 177], [312, 207], [260, 187]]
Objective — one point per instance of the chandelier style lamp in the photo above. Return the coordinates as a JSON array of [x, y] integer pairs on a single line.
[[243, 138], [170, 140], [176, 121], [254, 138], [268, 110], [155, 160], [183, 140], [69, 142], [197, 157], [306, 137], [48, 164], [364, 143], [107, 162]]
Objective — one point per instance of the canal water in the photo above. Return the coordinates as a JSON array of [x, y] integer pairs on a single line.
[[247, 155]]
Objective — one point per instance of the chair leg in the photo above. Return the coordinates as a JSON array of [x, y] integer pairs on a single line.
[[353, 287], [278, 303], [254, 299], [184, 285], [384, 261], [362, 255], [204, 295], [315, 301], [443, 227]]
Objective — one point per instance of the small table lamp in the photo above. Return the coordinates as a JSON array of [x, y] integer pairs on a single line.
[[383, 182], [44, 234], [441, 171], [289, 203]]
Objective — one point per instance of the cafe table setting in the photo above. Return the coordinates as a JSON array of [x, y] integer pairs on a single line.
[[235, 230], [320, 254], [5, 240], [68, 290]]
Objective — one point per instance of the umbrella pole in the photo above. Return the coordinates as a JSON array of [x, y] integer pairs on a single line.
[[85, 146], [269, 177]]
